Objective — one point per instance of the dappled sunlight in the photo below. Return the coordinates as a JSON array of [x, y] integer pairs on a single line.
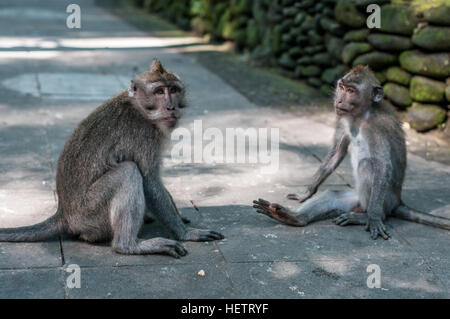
[[41, 43], [413, 284], [25, 207]]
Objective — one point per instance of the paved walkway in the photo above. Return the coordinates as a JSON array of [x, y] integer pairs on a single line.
[[43, 64]]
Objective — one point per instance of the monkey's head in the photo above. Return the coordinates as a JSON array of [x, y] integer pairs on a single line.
[[356, 92], [159, 95]]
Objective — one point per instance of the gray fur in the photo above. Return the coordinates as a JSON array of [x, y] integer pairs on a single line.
[[369, 129], [109, 174]]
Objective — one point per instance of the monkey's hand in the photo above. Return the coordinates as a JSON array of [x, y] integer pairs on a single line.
[[301, 197], [276, 212], [376, 228], [194, 234]]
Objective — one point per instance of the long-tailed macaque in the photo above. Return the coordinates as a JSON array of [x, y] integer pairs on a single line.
[[108, 173], [370, 129]]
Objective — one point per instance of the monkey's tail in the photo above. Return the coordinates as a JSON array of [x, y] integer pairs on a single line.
[[47, 229], [408, 213]]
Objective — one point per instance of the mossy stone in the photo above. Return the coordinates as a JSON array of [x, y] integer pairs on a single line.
[[389, 42], [433, 38], [398, 19], [307, 71], [353, 49], [432, 64], [398, 94], [447, 90], [438, 15], [423, 117], [376, 60], [331, 75], [398, 75], [346, 13], [423, 89], [357, 35]]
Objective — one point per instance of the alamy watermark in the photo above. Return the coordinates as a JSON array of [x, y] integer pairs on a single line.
[[73, 21], [374, 20], [74, 279], [374, 279], [236, 146]]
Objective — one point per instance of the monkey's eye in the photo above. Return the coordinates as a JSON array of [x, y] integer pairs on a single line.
[[159, 91], [173, 89], [350, 90]]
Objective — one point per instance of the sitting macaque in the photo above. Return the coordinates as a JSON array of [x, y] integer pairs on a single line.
[[108, 177], [370, 130]]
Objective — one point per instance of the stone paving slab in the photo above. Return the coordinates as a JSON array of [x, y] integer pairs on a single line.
[[333, 279], [32, 283], [158, 281], [45, 93], [30, 255]]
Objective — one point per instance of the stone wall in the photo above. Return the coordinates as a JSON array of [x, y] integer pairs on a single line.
[[318, 41]]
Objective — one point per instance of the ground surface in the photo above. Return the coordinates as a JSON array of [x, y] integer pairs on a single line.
[[51, 77]]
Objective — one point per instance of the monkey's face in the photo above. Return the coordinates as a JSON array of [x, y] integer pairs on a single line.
[[159, 96], [348, 98], [160, 102], [356, 92]]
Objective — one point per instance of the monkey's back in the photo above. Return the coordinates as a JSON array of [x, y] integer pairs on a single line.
[[388, 128], [109, 135]]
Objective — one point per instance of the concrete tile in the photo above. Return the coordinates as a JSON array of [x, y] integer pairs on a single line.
[[30, 255], [408, 278], [267, 240], [31, 284], [155, 282], [86, 254]]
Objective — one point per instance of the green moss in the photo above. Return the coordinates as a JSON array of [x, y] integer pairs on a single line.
[[353, 49], [398, 75], [398, 94], [433, 64], [426, 90], [433, 38]]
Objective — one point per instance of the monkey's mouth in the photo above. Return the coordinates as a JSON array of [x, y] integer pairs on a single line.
[[340, 111], [170, 120]]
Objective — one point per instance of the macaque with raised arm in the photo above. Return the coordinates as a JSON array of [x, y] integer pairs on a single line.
[[369, 129], [108, 177]]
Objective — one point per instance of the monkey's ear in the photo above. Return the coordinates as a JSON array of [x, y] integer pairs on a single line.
[[157, 67], [378, 94], [132, 89]]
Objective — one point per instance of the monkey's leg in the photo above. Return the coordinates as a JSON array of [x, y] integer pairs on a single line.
[[122, 189], [325, 205], [148, 217], [375, 195]]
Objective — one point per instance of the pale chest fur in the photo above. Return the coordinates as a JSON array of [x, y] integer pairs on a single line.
[[358, 148]]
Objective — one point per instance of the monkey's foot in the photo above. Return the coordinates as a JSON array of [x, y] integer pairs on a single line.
[[376, 228], [276, 212], [157, 245], [202, 235], [351, 219]]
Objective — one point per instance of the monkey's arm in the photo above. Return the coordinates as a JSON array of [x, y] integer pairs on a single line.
[[375, 174], [331, 161], [160, 202]]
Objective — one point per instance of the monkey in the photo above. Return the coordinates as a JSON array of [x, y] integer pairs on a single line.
[[108, 175], [369, 129]]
